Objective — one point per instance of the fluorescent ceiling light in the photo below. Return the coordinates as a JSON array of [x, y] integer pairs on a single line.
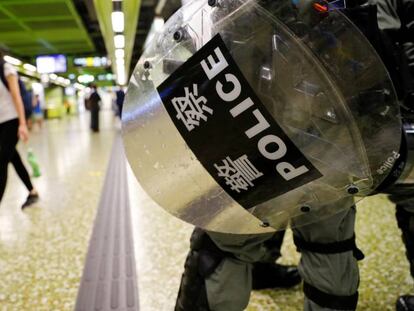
[[29, 67], [156, 28], [120, 75], [122, 80], [119, 53], [86, 78], [37, 87], [160, 7], [12, 60], [119, 41], [120, 68], [44, 78], [118, 24], [79, 86], [53, 76], [158, 23], [120, 62]]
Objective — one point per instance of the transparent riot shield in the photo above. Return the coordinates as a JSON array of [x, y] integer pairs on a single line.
[[245, 116]]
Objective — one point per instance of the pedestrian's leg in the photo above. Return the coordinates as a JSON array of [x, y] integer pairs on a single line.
[[92, 119], [33, 196], [97, 120], [21, 170], [329, 262], [8, 141]]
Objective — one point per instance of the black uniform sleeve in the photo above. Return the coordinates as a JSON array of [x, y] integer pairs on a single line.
[[406, 13]]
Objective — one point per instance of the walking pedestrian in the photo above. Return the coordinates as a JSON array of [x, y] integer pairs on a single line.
[[12, 128]]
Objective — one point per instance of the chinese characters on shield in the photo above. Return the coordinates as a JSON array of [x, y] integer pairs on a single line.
[[239, 174], [191, 108]]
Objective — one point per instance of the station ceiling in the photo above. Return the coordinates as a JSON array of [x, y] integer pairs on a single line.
[[73, 27], [33, 27]]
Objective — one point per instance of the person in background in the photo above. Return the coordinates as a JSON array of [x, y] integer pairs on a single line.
[[66, 104], [120, 96], [94, 106], [27, 96], [12, 128], [37, 111]]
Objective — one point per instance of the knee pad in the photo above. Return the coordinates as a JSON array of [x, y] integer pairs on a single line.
[[202, 260], [314, 294], [330, 301]]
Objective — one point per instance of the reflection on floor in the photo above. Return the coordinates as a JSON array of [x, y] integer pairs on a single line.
[[42, 250]]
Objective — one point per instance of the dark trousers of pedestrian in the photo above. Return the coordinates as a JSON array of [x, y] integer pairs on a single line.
[[8, 154], [95, 120], [21, 170]]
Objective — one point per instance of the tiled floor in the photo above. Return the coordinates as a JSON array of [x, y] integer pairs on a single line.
[[42, 250]]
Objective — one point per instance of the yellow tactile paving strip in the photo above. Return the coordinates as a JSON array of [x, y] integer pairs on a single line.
[[42, 249], [109, 278]]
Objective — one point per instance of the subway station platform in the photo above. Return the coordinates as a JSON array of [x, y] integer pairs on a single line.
[[45, 249]]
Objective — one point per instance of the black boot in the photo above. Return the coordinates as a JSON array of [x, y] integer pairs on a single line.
[[405, 303], [405, 220], [269, 274], [273, 275]]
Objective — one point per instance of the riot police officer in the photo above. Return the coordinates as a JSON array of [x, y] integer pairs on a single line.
[[221, 87], [218, 270], [396, 19]]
